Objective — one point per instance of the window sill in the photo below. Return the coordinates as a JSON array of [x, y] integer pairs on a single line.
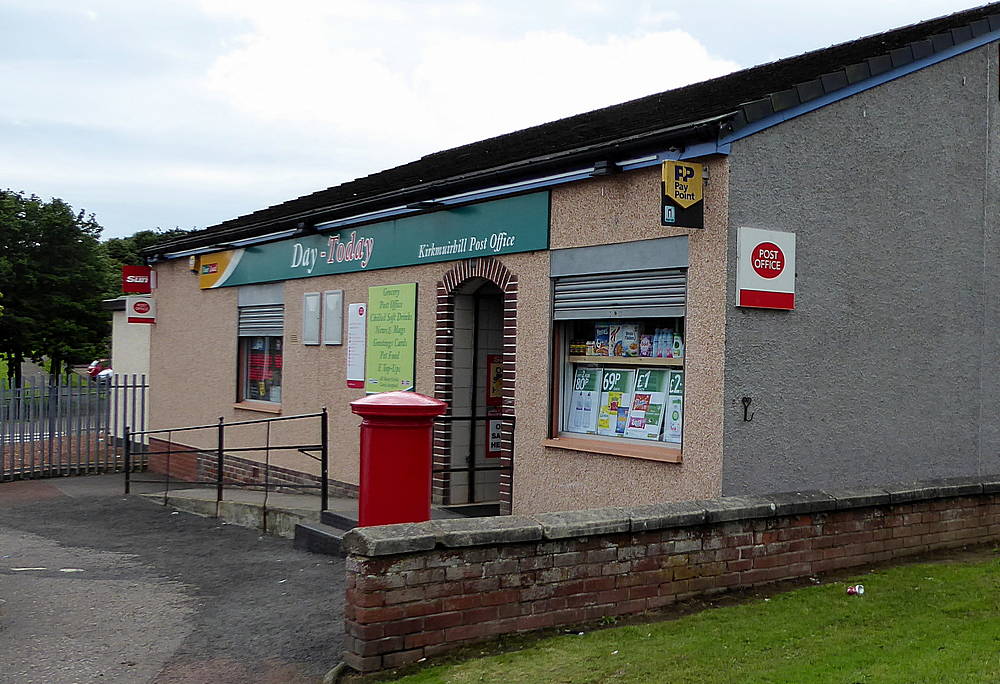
[[594, 446], [259, 406]]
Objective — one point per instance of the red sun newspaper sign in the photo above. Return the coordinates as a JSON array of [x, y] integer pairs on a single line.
[[765, 272], [138, 279]]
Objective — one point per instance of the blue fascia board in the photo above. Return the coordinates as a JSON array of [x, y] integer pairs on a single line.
[[466, 198], [699, 150], [366, 218], [861, 86], [523, 187], [691, 152]]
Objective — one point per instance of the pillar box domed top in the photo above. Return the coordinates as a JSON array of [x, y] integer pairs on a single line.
[[400, 404]]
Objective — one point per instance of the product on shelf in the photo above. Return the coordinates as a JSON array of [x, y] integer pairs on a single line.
[[624, 339], [645, 345], [677, 348], [662, 342], [601, 333]]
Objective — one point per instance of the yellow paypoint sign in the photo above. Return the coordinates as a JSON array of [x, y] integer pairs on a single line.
[[683, 195]]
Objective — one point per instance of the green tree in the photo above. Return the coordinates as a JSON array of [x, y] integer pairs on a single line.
[[53, 275], [127, 251]]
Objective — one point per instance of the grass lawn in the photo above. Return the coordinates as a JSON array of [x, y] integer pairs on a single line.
[[931, 622]]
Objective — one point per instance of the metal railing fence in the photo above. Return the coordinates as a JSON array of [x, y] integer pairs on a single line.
[[69, 424], [217, 457]]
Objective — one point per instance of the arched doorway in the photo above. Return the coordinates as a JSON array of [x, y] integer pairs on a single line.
[[478, 347], [474, 373]]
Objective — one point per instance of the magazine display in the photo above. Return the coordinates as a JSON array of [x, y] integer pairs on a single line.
[[675, 407], [585, 400], [649, 400], [616, 400]]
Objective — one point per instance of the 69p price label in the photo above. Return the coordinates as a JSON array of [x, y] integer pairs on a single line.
[[617, 380]]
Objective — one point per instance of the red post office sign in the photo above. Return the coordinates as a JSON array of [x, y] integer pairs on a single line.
[[765, 272], [138, 279], [140, 309]]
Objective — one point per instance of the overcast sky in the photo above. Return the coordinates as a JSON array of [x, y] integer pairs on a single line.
[[185, 113]]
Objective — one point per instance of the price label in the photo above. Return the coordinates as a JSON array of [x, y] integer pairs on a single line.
[[586, 379], [615, 381], [676, 382], [650, 380]]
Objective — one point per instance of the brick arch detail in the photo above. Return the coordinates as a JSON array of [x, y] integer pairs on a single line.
[[491, 269]]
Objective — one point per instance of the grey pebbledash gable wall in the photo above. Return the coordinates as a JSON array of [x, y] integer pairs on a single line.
[[885, 369], [989, 446]]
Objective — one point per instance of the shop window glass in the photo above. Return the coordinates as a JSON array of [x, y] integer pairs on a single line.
[[260, 358], [623, 380]]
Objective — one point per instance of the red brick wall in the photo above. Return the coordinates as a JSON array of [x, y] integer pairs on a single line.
[[180, 466], [65, 455], [404, 607]]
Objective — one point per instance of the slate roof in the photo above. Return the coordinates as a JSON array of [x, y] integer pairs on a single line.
[[701, 110]]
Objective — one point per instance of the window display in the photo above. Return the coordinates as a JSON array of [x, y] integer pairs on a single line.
[[624, 379], [261, 360]]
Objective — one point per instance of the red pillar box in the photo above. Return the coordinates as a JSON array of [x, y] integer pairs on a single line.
[[396, 431]]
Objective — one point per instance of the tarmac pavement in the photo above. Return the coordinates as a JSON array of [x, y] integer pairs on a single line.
[[98, 587]]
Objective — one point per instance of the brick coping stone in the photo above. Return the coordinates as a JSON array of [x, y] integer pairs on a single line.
[[390, 540]]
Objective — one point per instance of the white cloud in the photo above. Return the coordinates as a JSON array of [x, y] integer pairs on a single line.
[[440, 87], [168, 112]]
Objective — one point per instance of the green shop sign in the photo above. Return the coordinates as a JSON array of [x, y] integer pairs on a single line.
[[392, 332], [506, 226]]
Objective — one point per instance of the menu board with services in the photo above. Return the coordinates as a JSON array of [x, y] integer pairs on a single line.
[[585, 400], [391, 333], [649, 400], [616, 399]]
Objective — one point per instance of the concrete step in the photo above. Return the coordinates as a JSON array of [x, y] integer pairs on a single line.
[[345, 514], [278, 512], [344, 520], [319, 538]]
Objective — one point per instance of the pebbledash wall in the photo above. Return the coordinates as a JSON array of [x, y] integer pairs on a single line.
[[194, 355], [421, 589], [886, 367]]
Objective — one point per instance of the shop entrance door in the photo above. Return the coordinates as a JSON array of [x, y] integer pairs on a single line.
[[475, 457]]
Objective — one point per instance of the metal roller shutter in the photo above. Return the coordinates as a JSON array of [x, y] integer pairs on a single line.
[[639, 294], [266, 320]]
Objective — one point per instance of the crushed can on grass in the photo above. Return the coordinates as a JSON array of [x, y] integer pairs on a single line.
[[856, 590]]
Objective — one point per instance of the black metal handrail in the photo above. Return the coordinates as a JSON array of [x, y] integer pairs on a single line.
[[472, 468], [220, 452]]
